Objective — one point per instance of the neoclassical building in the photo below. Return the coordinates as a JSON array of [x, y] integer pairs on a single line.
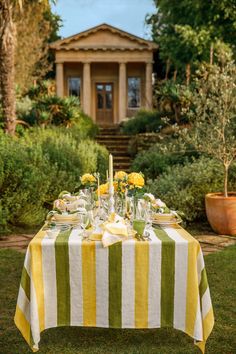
[[108, 69]]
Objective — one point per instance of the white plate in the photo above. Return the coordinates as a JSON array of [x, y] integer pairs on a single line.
[[170, 222]]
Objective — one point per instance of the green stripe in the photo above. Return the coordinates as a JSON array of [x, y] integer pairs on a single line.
[[203, 283], [63, 278], [25, 282], [115, 279], [167, 277]]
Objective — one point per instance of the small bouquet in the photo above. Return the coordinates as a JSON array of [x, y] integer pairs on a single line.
[[88, 180]]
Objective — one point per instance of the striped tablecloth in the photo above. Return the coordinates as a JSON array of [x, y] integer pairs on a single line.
[[134, 284]]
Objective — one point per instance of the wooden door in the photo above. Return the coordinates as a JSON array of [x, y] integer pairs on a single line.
[[104, 103]]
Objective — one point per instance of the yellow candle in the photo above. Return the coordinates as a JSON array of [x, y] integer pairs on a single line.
[[110, 170], [107, 175]]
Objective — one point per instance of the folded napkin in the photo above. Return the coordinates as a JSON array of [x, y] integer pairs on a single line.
[[112, 231]]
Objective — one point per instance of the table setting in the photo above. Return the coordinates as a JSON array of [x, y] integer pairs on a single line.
[[113, 256]]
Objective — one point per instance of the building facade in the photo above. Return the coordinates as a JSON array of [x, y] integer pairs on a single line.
[[109, 70]]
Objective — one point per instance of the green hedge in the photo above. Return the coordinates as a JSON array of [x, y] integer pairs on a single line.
[[183, 188], [144, 121], [37, 166], [154, 161]]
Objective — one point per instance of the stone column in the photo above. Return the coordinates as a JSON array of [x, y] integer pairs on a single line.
[[148, 86], [87, 88], [60, 79], [122, 91]]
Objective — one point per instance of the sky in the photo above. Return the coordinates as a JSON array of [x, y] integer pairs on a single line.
[[79, 15]]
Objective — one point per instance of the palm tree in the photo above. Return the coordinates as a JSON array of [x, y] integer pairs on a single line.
[[7, 51]]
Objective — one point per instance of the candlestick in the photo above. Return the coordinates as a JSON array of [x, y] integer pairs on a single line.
[[111, 187]]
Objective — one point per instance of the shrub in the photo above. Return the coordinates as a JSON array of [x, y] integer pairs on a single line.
[[183, 187], [154, 161], [144, 121], [37, 166]]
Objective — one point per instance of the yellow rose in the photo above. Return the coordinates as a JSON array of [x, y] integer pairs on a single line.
[[103, 189], [136, 180], [87, 178], [120, 175]]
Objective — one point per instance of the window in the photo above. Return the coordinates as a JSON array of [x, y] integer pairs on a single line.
[[74, 85], [134, 92]]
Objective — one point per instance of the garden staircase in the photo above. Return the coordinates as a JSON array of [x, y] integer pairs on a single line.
[[117, 144]]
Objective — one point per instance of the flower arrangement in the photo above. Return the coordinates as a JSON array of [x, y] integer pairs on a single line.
[[135, 180], [103, 189], [88, 180], [121, 182]]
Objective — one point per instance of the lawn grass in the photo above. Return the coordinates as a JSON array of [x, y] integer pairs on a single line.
[[221, 268]]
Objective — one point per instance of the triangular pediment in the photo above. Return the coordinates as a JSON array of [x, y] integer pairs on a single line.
[[103, 37]]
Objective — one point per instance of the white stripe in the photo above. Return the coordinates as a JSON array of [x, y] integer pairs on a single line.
[[102, 286], [27, 261], [34, 318], [128, 284], [181, 273], [200, 265], [154, 291], [206, 303], [49, 281], [198, 331], [76, 295], [24, 303]]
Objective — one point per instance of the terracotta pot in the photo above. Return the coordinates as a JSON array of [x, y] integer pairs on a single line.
[[221, 212]]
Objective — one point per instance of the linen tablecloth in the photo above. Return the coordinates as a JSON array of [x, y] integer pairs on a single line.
[[69, 282]]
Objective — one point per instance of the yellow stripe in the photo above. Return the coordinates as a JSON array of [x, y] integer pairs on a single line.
[[22, 324], [89, 283], [37, 275], [208, 324], [192, 281], [141, 284]]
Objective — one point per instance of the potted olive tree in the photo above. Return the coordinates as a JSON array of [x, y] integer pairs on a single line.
[[213, 132]]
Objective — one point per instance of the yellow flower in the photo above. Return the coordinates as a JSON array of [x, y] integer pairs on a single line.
[[115, 185], [87, 178], [120, 175], [103, 189], [136, 180]]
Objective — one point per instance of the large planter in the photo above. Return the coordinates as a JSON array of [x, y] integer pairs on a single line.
[[221, 212]]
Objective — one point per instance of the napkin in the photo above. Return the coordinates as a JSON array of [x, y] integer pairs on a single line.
[[112, 231]]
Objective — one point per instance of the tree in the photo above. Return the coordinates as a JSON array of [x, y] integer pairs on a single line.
[[33, 59], [7, 71], [188, 30], [214, 115], [7, 52]]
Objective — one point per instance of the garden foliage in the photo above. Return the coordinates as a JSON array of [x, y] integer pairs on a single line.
[[183, 188], [155, 161], [37, 166], [145, 121]]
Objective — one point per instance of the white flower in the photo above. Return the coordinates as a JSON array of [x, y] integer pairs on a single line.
[[150, 196], [160, 203]]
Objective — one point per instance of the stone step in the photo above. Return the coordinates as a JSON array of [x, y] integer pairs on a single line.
[[115, 137], [122, 166], [114, 143], [118, 159]]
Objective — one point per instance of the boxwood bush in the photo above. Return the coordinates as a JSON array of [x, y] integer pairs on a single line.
[[154, 161], [36, 167], [183, 188], [145, 121]]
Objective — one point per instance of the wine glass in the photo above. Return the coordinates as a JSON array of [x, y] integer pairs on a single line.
[[84, 221]]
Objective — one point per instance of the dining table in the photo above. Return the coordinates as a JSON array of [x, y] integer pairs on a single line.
[[68, 280]]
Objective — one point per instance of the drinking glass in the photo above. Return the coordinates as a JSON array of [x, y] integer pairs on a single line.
[[84, 221]]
